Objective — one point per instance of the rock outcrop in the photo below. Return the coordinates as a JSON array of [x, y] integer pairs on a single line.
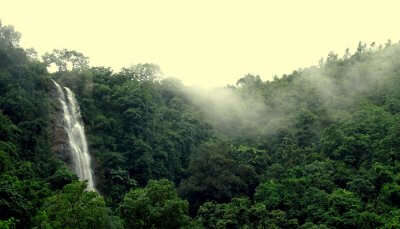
[[59, 145]]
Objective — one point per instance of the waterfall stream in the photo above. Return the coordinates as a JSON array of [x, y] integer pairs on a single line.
[[73, 125]]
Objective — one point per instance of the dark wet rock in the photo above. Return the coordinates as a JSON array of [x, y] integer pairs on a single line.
[[59, 143]]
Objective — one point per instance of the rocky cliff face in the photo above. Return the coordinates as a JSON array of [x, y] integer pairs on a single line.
[[59, 143]]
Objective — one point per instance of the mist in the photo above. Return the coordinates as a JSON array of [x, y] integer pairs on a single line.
[[254, 107]]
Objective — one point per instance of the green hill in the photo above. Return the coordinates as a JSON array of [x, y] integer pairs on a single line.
[[317, 148]]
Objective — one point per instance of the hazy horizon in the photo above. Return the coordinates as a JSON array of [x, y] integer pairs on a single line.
[[205, 44]]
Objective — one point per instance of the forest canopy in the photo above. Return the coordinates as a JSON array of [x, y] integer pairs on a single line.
[[316, 148]]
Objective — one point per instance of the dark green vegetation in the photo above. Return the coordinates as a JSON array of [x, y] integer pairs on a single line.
[[318, 148]]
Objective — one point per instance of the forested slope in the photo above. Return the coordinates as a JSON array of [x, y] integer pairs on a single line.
[[317, 148]]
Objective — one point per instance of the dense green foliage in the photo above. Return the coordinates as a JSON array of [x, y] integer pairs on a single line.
[[73, 207], [155, 206], [317, 148]]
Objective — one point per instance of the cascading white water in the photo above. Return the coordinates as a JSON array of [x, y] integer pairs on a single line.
[[76, 135]]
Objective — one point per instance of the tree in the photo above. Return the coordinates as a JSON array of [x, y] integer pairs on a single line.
[[75, 208], [344, 209], [66, 59], [7, 224], [8, 36], [155, 206], [10, 52], [214, 175], [270, 194], [238, 213], [142, 72]]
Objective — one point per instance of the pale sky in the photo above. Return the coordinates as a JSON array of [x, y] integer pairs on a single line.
[[205, 42]]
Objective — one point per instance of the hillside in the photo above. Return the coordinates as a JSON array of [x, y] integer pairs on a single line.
[[316, 148]]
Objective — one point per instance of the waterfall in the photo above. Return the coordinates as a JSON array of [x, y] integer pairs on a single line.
[[76, 136]]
